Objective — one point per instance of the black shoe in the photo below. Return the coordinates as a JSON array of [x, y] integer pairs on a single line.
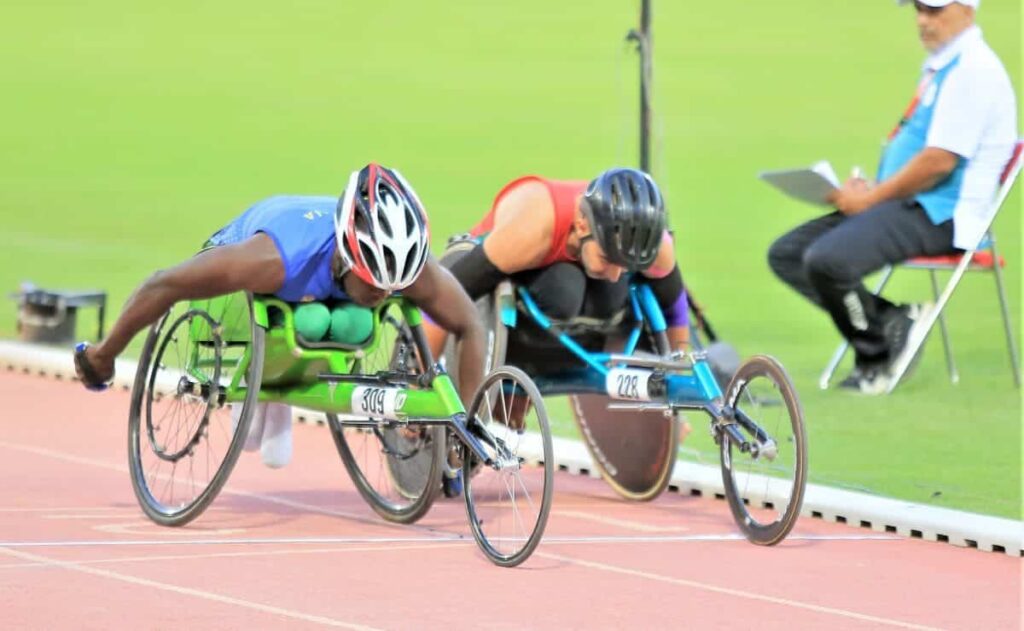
[[904, 328], [867, 380]]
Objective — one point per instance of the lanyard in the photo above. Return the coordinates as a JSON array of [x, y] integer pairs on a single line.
[[914, 102]]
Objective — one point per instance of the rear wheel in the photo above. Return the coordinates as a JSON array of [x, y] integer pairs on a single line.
[[182, 439], [765, 486], [634, 450], [395, 467]]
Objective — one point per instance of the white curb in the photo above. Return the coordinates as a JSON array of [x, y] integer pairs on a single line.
[[881, 514]]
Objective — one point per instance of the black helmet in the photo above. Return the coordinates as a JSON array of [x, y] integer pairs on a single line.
[[627, 217]]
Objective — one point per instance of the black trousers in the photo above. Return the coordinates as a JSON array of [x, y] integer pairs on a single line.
[[563, 291], [826, 260]]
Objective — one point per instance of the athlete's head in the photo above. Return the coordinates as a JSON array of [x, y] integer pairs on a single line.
[[382, 232], [626, 218]]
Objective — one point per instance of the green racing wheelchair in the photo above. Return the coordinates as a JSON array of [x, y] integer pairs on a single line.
[[207, 365]]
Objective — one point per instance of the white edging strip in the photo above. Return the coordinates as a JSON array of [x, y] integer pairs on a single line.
[[881, 514]]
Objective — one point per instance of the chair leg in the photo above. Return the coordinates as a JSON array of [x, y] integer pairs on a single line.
[[914, 345], [830, 369], [837, 356], [1005, 309], [954, 376]]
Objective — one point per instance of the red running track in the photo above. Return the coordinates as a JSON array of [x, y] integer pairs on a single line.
[[297, 548]]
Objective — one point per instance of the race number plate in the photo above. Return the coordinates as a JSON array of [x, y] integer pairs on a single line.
[[378, 402], [628, 384]]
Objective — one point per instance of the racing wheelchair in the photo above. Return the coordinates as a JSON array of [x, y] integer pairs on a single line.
[[388, 406], [626, 389]]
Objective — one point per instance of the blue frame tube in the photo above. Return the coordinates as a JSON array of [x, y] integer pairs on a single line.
[[694, 389], [569, 343]]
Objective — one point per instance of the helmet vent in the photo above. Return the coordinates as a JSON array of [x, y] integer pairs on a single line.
[[385, 225], [367, 253], [410, 261]]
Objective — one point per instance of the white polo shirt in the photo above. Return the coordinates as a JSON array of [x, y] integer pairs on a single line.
[[967, 106]]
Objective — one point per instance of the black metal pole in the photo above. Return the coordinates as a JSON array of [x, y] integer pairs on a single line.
[[644, 45]]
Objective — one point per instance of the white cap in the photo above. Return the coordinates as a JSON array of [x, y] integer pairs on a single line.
[[942, 3]]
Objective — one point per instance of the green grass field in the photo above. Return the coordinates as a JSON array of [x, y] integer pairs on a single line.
[[128, 133]]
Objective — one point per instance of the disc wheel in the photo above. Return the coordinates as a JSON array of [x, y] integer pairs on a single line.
[[182, 439], [508, 500], [395, 467], [634, 451], [764, 486]]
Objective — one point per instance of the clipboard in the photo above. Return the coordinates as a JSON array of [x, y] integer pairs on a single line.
[[813, 184]]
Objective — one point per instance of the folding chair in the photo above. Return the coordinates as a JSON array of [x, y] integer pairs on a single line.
[[984, 258]]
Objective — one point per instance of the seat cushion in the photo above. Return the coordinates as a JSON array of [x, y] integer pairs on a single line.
[[981, 258]]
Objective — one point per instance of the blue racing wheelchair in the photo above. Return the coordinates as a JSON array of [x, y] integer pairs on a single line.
[[626, 390]]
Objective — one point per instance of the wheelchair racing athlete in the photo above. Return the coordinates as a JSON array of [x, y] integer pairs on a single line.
[[574, 246], [362, 247]]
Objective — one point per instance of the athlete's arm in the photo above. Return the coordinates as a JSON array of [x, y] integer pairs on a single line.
[[441, 296], [253, 265], [524, 224], [666, 281]]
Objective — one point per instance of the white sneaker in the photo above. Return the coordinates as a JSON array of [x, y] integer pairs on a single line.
[[276, 447]]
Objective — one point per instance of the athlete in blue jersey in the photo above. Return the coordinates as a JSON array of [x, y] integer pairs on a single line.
[[371, 242]]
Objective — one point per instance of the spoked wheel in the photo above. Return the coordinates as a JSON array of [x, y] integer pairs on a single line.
[[765, 487], [395, 467], [508, 501], [182, 441]]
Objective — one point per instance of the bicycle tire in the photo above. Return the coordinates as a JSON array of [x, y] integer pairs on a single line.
[[746, 503]]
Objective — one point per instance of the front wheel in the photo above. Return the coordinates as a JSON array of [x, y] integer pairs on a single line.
[[508, 500], [183, 438], [764, 485]]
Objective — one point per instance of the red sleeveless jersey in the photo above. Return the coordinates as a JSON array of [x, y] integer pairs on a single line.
[[564, 194]]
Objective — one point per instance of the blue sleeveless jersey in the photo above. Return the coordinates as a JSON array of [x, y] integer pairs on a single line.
[[302, 228], [940, 200]]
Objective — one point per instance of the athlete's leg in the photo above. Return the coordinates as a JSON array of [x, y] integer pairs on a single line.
[[604, 299], [557, 289]]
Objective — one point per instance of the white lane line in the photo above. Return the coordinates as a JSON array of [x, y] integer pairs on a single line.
[[550, 539], [554, 539], [188, 591], [785, 602], [221, 542], [620, 523], [125, 515], [63, 509], [247, 554], [227, 490]]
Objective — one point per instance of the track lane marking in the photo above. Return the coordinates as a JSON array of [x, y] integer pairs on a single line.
[[187, 591], [227, 490], [451, 538], [785, 602], [620, 523], [246, 554]]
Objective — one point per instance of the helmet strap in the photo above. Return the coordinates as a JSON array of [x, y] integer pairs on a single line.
[[339, 269]]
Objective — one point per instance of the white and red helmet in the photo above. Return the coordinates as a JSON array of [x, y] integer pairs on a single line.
[[382, 228]]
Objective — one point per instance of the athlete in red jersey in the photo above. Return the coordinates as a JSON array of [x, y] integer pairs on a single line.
[[571, 242]]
